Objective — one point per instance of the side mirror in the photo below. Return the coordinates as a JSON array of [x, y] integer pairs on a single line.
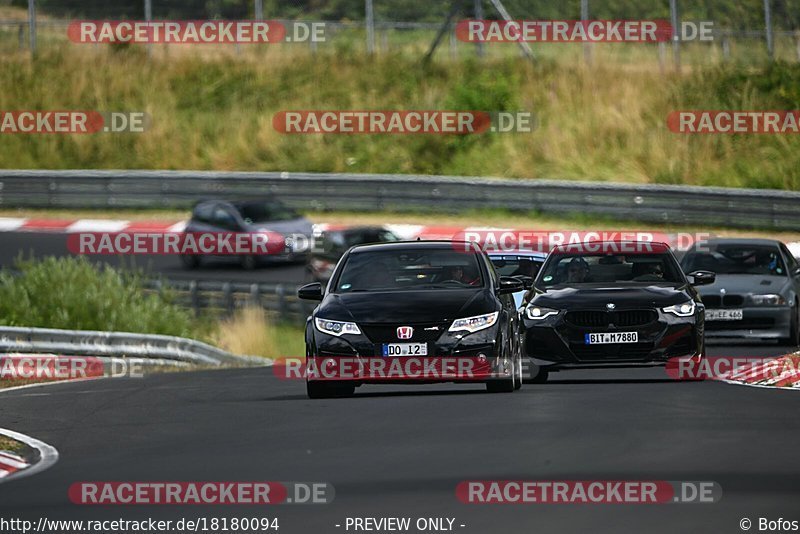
[[702, 278], [311, 291], [527, 281], [510, 284]]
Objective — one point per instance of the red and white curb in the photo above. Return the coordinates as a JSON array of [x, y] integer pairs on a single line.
[[404, 231], [782, 372], [13, 466], [18, 224]]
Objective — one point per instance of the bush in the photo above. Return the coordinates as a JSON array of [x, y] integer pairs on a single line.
[[72, 293]]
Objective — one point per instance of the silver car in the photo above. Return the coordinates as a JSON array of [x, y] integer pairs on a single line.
[[755, 294], [254, 215]]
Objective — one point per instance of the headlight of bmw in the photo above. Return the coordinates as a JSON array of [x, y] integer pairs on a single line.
[[336, 328], [473, 324], [767, 300], [539, 312], [685, 309]]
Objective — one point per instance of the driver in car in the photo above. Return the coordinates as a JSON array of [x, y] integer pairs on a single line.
[[577, 271], [458, 274]]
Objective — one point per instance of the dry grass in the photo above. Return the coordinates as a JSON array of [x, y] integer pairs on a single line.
[[251, 332], [606, 123]]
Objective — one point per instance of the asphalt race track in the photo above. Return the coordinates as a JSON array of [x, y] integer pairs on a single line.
[[40, 244], [400, 451]]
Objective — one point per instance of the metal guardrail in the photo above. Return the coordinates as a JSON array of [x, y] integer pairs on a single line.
[[119, 345], [223, 298], [709, 206]]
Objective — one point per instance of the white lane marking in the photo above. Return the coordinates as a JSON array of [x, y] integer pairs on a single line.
[[9, 224], [97, 225], [177, 227], [48, 455], [4, 473], [49, 383], [794, 248]]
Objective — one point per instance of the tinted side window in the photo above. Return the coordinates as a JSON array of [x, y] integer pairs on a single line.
[[791, 261], [224, 219], [203, 213]]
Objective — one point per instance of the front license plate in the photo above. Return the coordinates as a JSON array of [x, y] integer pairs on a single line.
[[607, 338], [405, 349], [724, 315]]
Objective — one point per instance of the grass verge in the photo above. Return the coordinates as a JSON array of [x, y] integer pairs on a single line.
[[606, 122]]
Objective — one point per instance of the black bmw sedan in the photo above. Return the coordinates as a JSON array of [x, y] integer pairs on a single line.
[[613, 304], [412, 312]]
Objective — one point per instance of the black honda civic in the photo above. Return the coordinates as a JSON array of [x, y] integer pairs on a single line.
[[613, 304], [412, 312]]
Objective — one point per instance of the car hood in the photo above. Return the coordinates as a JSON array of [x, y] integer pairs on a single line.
[[293, 226], [406, 306], [624, 297], [745, 283]]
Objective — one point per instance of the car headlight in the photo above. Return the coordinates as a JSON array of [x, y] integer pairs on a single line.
[[767, 300], [473, 324], [336, 328], [539, 312], [681, 310]]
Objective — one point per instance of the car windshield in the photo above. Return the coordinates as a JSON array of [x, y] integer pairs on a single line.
[[511, 265], [409, 269], [259, 212], [570, 269], [736, 259]]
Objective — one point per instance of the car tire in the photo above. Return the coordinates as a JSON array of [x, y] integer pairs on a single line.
[[540, 377], [190, 261], [794, 331], [504, 385], [323, 390]]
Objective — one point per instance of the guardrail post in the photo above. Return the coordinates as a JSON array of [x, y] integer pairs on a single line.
[[227, 295], [194, 297], [255, 295], [280, 291]]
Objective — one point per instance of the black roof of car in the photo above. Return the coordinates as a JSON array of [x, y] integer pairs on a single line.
[[422, 245], [741, 241]]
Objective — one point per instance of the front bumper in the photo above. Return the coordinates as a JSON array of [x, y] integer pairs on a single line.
[[554, 344], [452, 357], [757, 322]]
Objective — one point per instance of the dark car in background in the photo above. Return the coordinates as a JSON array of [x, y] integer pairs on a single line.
[[392, 302], [755, 294], [331, 244], [252, 216], [613, 304]]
